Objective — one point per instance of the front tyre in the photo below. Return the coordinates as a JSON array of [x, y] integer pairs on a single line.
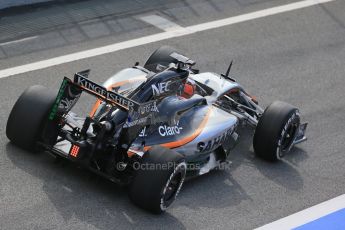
[[159, 178], [276, 131]]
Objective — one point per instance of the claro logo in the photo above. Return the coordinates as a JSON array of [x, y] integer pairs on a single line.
[[165, 130]]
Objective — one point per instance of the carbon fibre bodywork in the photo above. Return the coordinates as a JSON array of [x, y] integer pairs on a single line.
[[199, 131], [199, 127]]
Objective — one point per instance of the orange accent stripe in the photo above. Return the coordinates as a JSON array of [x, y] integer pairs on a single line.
[[95, 107], [125, 82], [188, 139], [130, 153], [146, 148]]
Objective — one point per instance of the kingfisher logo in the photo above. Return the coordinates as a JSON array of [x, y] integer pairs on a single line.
[[100, 90], [82, 81], [165, 130]]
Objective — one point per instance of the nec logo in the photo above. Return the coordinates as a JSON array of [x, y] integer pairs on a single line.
[[160, 88]]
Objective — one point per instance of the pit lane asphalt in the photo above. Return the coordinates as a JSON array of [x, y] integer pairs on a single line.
[[296, 57]]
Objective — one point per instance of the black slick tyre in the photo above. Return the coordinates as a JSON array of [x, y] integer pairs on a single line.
[[27, 118], [158, 180], [276, 131]]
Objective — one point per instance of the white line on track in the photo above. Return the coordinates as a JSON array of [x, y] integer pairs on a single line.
[[307, 215], [161, 23], [157, 37], [18, 41]]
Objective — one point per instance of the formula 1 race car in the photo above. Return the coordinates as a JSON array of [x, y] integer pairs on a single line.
[[152, 126]]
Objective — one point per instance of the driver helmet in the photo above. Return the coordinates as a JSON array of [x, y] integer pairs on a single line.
[[189, 88]]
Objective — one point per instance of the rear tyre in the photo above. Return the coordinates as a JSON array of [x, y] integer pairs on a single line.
[[160, 56], [276, 131], [27, 118], [158, 180]]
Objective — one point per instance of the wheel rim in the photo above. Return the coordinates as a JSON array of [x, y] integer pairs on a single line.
[[172, 188], [289, 136]]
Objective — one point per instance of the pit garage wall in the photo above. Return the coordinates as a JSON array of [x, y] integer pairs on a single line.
[[9, 3]]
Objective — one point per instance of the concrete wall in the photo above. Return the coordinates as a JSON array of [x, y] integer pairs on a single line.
[[9, 3]]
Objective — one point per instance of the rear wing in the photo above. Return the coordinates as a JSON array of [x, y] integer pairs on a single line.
[[70, 92]]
